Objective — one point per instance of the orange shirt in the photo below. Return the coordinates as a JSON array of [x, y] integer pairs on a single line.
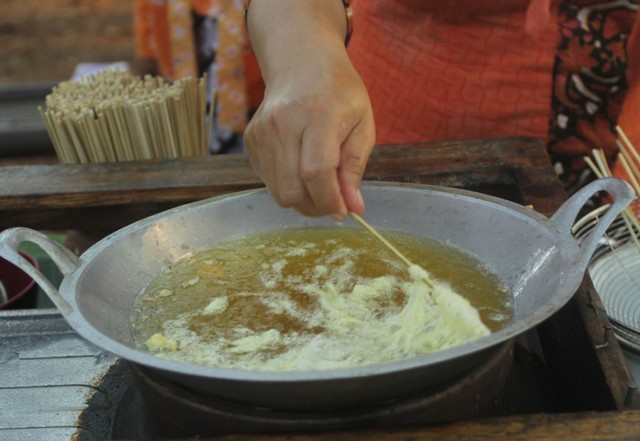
[[440, 70], [164, 32]]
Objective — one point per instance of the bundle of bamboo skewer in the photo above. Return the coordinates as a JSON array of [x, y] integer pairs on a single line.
[[630, 161], [115, 116]]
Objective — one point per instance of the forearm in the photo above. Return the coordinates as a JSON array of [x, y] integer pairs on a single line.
[[284, 32], [311, 136]]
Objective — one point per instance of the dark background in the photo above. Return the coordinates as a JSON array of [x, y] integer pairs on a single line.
[[43, 40]]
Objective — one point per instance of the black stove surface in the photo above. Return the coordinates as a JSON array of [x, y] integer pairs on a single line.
[[54, 385]]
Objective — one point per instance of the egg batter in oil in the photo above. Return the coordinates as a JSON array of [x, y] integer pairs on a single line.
[[317, 298]]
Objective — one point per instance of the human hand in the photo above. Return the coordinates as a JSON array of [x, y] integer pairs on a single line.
[[310, 139]]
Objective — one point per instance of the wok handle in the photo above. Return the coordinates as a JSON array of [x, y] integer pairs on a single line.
[[564, 218], [66, 261]]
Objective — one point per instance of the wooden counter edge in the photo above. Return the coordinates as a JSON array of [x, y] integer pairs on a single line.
[[110, 196], [600, 426]]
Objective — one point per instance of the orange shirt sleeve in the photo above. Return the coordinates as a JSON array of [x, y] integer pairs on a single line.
[[143, 29]]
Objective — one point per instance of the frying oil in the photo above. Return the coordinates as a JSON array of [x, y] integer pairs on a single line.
[[311, 298]]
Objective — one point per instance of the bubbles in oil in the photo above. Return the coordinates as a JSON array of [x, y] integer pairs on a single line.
[[247, 301]]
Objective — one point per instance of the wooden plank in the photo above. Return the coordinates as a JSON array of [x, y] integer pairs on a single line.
[[109, 196], [580, 347], [606, 426]]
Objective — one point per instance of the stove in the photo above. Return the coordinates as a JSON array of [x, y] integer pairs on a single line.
[[48, 375], [56, 386]]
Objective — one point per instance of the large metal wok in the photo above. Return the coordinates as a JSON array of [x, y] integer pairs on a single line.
[[536, 259]]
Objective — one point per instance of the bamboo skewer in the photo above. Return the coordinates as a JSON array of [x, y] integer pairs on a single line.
[[381, 238], [388, 244], [629, 158]]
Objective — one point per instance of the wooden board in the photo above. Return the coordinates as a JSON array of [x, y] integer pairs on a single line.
[[606, 426], [110, 196]]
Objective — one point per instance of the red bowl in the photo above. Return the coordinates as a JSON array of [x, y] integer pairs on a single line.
[[21, 288]]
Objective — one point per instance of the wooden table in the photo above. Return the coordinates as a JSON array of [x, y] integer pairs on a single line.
[[113, 195], [595, 396]]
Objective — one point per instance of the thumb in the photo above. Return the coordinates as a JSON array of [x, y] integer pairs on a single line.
[[354, 154]]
